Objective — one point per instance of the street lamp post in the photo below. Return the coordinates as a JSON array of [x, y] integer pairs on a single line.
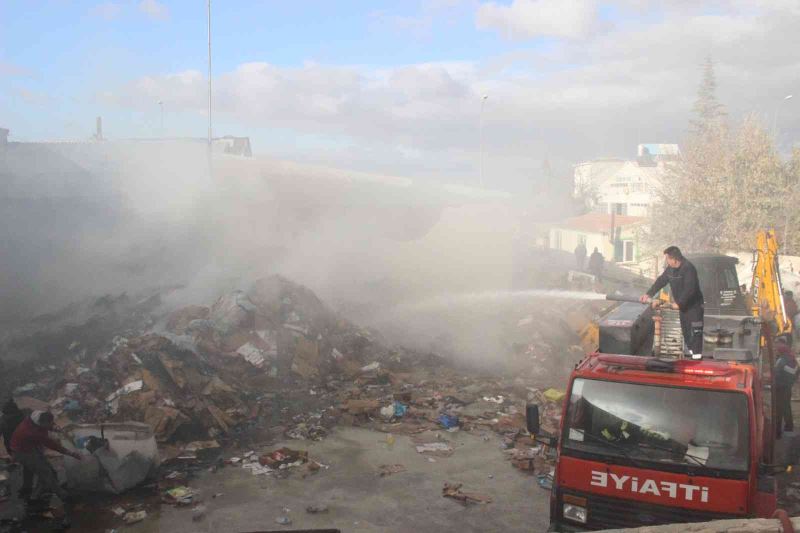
[[480, 133], [775, 117], [790, 197], [209, 88]]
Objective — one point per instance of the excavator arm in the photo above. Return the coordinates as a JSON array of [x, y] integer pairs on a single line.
[[766, 288]]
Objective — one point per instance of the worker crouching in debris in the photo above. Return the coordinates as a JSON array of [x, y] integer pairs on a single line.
[[681, 276], [27, 447], [785, 376]]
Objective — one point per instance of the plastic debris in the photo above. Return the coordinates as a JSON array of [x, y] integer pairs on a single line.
[[317, 509], [388, 470], [400, 409], [439, 448], [134, 517], [545, 481], [179, 496], [554, 395], [448, 421], [283, 520], [454, 492]]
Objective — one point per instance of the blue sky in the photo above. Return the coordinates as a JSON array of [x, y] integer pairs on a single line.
[[394, 87]]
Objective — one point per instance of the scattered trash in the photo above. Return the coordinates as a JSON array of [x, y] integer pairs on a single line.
[[454, 491], [317, 509], [438, 448], [283, 520], [554, 395], [179, 496], [132, 518], [545, 481], [119, 511], [371, 367], [494, 399], [388, 470], [400, 410], [284, 458], [448, 421]]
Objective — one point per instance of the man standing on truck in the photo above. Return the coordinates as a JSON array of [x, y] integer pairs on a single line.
[[681, 276]]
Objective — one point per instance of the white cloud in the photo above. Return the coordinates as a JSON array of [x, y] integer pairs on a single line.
[[35, 98], [106, 10], [525, 19], [11, 70], [154, 9], [575, 100]]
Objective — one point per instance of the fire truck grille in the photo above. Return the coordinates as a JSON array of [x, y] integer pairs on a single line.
[[613, 513]]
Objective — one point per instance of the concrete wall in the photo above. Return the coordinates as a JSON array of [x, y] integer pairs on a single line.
[[759, 525]]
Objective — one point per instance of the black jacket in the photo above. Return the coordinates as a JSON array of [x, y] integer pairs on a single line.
[[683, 283]]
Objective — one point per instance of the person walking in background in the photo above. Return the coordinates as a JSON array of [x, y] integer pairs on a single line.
[[790, 306], [580, 256], [785, 377], [596, 264]]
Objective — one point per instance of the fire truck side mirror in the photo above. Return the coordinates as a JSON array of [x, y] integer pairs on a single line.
[[532, 418]]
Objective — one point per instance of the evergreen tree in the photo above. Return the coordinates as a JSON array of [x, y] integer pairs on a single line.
[[709, 114]]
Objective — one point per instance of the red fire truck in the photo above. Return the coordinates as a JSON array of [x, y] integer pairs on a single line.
[[646, 440]]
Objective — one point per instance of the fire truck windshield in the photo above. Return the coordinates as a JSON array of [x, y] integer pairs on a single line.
[[675, 427]]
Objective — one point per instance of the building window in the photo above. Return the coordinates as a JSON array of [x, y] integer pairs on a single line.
[[620, 209], [557, 240], [582, 239], [628, 251]]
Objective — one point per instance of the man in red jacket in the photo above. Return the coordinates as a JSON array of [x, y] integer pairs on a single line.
[[27, 446]]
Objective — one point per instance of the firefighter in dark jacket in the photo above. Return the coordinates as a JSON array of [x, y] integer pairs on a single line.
[[681, 276]]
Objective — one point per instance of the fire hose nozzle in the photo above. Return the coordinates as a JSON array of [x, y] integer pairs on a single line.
[[619, 297]]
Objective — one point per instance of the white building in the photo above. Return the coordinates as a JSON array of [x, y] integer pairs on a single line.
[[625, 187], [616, 237]]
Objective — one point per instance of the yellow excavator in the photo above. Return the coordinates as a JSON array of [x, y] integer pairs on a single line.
[[766, 289]]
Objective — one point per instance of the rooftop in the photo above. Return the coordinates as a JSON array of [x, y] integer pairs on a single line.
[[599, 222]]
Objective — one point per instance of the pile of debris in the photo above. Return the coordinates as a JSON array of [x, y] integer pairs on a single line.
[[276, 358], [206, 373]]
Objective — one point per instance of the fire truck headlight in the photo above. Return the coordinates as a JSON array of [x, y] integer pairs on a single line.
[[576, 513]]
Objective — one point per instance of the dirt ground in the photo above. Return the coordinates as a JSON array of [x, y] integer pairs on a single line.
[[358, 499]]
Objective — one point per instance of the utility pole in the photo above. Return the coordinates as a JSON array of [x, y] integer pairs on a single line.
[[483, 101], [161, 105], [209, 88]]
